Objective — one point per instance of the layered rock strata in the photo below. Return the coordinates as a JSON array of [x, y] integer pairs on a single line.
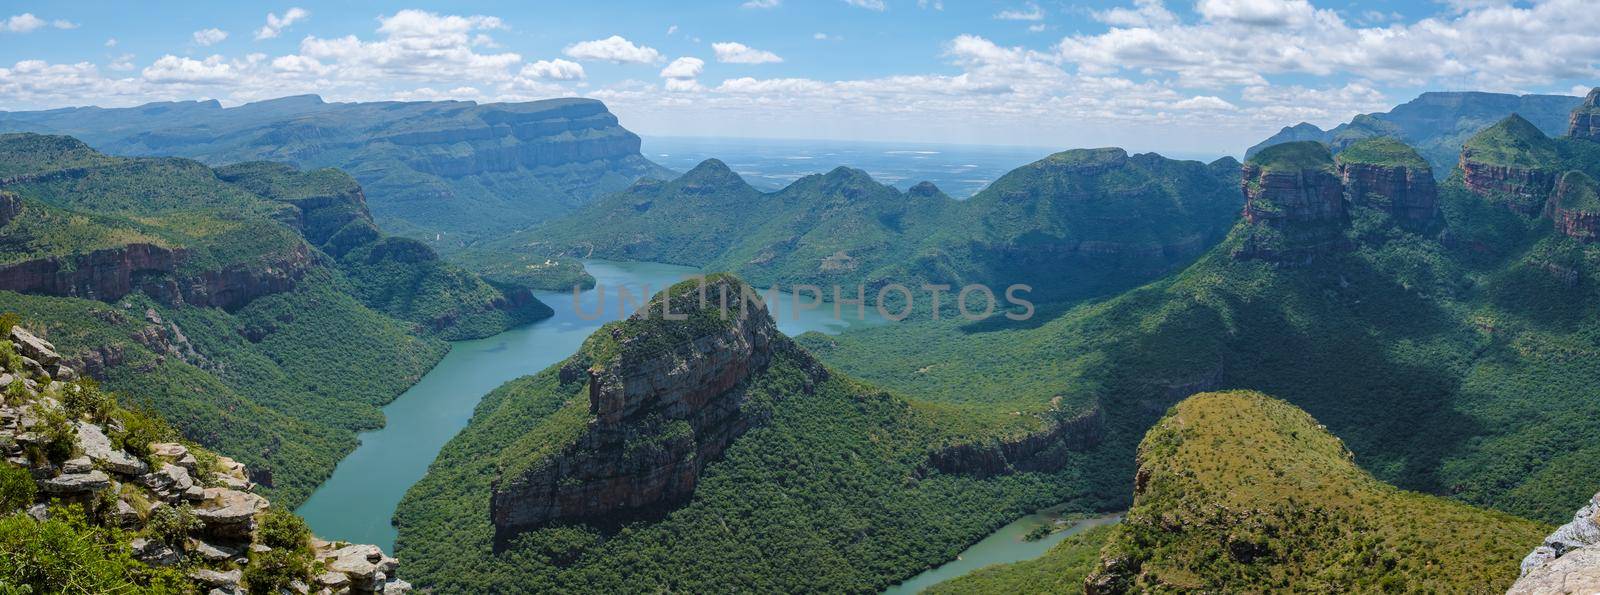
[[1568, 562]]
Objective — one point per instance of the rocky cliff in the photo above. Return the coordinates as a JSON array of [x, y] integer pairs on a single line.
[[10, 207], [1512, 160], [1586, 118], [1034, 451], [193, 511], [1386, 174], [665, 397], [1575, 207], [1569, 559], [112, 273], [1294, 204]]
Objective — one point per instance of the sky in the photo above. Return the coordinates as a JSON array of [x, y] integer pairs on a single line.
[[1176, 75]]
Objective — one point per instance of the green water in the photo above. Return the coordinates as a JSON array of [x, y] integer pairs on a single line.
[[357, 502], [1001, 547]]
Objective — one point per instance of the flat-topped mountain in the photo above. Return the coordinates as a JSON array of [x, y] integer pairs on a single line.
[[448, 172], [1099, 219], [1437, 123]]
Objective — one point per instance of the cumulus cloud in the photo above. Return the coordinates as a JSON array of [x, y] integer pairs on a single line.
[[416, 44], [684, 68], [1265, 13], [173, 69], [613, 49], [761, 4], [1204, 102], [555, 70], [210, 36], [1143, 13], [22, 23], [276, 24], [737, 53]]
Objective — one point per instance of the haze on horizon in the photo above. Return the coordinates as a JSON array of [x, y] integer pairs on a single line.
[[1200, 77]]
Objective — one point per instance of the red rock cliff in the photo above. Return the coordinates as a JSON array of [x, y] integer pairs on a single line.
[[1409, 194]]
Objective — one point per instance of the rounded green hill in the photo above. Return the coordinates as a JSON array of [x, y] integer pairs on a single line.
[[1299, 155]]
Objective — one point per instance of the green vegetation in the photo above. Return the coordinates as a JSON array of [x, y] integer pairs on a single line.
[[1385, 151], [1295, 156], [1579, 192], [1101, 219], [1060, 570], [1238, 490], [68, 554], [832, 493], [1513, 142]]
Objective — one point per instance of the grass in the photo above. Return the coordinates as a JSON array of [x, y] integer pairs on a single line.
[[1293, 156], [1384, 151]]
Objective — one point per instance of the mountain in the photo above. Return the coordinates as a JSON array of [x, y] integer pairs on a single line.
[[1446, 353], [98, 496], [1436, 123], [255, 306], [1239, 491], [712, 454], [1106, 220], [445, 172]]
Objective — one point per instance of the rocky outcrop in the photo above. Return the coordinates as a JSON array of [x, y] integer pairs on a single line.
[[10, 207], [669, 402], [1034, 451], [1569, 559], [1586, 118], [1575, 207], [169, 479], [1407, 193], [111, 273], [1294, 205], [1522, 182]]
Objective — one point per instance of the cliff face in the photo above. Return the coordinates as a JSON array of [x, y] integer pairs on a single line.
[[1522, 182], [656, 421], [112, 273], [1409, 194], [1037, 451], [1586, 118], [1294, 204], [1569, 559], [1575, 207], [10, 207]]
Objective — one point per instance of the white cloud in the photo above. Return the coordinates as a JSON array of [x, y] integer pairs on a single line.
[[111, 42], [684, 68], [173, 69], [63, 24], [761, 4], [122, 63], [1031, 13], [416, 44], [555, 70], [1204, 102], [1144, 13], [877, 5], [672, 29], [934, 4], [613, 49], [276, 24], [22, 23], [1265, 13], [820, 36], [210, 36], [730, 52]]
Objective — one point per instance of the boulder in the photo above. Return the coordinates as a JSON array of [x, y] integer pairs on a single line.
[[226, 507], [76, 483], [33, 347], [97, 446], [126, 515], [365, 565], [77, 465], [217, 579], [333, 580], [154, 552]]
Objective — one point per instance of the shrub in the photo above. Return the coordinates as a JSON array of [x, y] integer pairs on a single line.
[[16, 488], [283, 529], [272, 570], [84, 398], [172, 524], [139, 429], [8, 320], [58, 436], [63, 554]]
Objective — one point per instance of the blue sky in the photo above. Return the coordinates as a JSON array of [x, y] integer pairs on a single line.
[[1179, 75]]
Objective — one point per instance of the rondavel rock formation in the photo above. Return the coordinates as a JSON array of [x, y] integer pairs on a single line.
[[1294, 204], [1575, 207], [217, 494], [1586, 118], [1520, 170], [1568, 562], [1385, 174], [658, 416]]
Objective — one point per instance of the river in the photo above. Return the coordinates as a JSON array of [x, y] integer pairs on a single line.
[[357, 502], [1005, 546]]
